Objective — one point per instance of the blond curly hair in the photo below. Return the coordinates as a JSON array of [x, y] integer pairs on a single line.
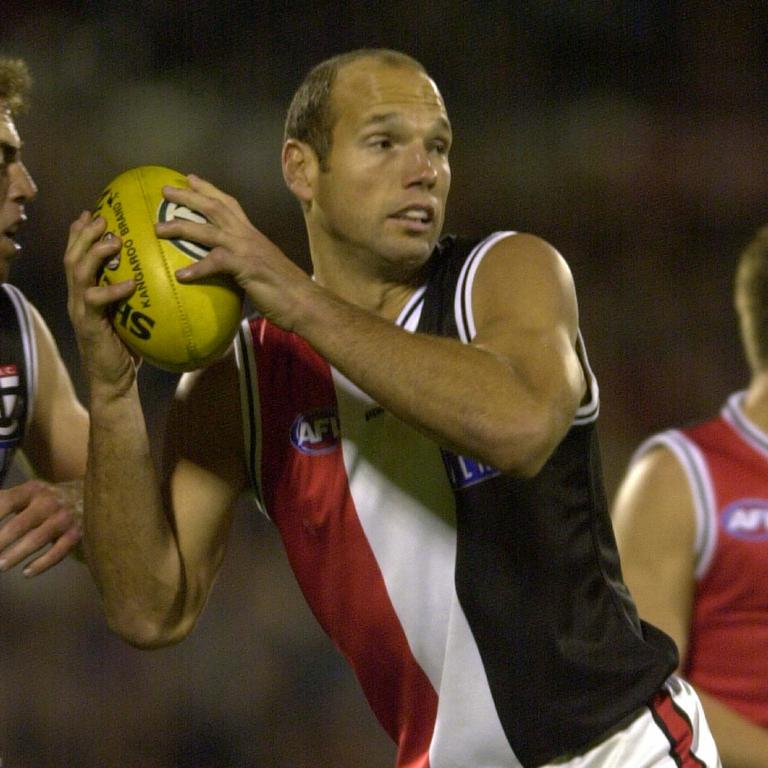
[[15, 84]]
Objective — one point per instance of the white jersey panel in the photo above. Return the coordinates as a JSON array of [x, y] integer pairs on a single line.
[[407, 517]]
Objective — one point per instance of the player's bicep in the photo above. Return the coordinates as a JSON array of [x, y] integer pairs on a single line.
[[525, 312], [58, 433], [654, 521], [203, 468]]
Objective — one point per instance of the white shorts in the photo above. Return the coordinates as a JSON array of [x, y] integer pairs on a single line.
[[670, 732]]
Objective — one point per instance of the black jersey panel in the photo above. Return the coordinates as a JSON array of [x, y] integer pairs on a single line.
[[539, 580]]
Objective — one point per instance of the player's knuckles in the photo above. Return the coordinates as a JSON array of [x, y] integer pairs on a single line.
[[68, 540], [63, 520], [39, 537]]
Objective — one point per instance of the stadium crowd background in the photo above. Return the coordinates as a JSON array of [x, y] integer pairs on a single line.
[[633, 135]]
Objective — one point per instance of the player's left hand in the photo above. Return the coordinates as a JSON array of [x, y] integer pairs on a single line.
[[39, 520]]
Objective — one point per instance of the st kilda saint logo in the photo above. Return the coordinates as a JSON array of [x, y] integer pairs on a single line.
[[11, 404]]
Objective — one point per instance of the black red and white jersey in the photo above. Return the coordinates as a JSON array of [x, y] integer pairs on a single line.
[[484, 615], [18, 372], [726, 462]]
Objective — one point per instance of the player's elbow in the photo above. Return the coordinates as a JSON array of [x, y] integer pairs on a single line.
[[522, 461], [138, 632], [524, 448], [147, 629]]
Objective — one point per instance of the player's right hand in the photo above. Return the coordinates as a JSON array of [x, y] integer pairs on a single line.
[[105, 358]]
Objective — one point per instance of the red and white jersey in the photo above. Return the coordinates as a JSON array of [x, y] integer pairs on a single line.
[[726, 462], [484, 615]]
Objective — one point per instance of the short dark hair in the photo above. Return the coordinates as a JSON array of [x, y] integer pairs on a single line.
[[15, 84], [310, 118], [751, 297]]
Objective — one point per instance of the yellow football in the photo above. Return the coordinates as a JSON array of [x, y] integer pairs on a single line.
[[175, 326]]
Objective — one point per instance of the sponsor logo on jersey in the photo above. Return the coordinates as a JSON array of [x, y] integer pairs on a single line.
[[463, 471], [10, 405], [747, 519], [316, 432]]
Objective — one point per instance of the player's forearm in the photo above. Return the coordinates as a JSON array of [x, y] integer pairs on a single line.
[[466, 398], [128, 542]]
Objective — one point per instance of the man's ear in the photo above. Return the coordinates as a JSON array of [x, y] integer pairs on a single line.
[[300, 169]]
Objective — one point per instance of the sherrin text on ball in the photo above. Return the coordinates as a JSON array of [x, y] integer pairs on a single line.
[[175, 326]]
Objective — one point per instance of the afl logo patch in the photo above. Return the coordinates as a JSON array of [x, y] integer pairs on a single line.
[[169, 212], [747, 519], [463, 471], [316, 432]]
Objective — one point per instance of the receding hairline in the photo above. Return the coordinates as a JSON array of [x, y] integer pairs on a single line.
[[311, 115]]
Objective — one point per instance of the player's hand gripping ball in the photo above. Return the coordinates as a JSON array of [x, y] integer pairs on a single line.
[[175, 326]]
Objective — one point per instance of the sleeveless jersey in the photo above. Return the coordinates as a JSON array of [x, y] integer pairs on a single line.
[[18, 372], [726, 462], [484, 615]]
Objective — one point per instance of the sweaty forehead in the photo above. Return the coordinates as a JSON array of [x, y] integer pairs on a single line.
[[370, 86]]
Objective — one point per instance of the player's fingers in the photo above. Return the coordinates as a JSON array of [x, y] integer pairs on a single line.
[[34, 538], [77, 227], [83, 233], [196, 232], [54, 554], [209, 190], [89, 266], [29, 503], [11, 501], [213, 264], [219, 208], [100, 296]]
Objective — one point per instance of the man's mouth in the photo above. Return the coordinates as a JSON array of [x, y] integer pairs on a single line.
[[8, 240], [418, 214]]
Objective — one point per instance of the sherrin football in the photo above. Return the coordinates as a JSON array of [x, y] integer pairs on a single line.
[[175, 326]]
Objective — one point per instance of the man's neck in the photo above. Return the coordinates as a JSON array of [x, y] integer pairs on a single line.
[[756, 401], [366, 283]]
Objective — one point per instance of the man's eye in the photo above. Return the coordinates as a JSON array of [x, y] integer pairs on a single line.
[[9, 154]]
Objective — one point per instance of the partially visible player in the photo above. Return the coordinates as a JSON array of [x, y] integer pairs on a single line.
[[39, 410], [691, 518]]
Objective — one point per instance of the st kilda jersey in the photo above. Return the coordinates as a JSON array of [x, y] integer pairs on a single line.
[[18, 371], [484, 615]]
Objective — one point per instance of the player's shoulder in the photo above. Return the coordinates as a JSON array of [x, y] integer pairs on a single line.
[[505, 253], [656, 475]]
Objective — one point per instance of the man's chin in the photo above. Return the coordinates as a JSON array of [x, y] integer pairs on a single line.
[[7, 255]]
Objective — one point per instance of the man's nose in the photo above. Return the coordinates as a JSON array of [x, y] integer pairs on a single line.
[[22, 187], [420, 168]]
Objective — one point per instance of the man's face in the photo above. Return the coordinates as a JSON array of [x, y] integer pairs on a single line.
[[16, 189], [385, 188]]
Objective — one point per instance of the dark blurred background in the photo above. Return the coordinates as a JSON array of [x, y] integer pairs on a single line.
[[631, 135]]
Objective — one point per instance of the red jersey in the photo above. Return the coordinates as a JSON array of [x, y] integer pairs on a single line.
[[726, 461]]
